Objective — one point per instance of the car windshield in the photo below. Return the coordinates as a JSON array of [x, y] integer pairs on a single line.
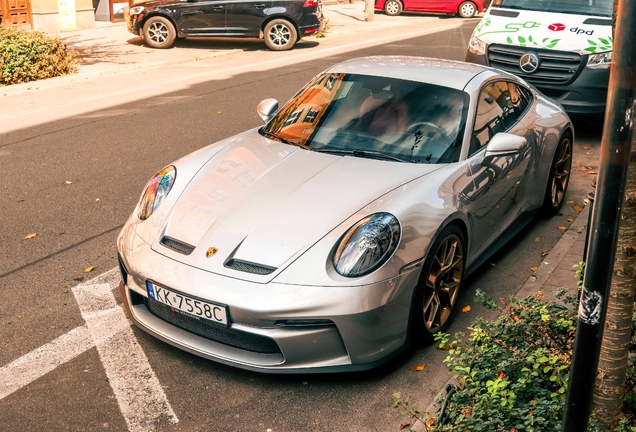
[[579, 7], [374, 117]]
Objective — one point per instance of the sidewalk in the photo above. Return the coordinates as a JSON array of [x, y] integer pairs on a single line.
[[110, 48]]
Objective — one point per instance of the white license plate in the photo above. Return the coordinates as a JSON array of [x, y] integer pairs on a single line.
[[189, 305]]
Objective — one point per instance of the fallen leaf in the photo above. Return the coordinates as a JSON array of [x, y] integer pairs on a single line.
[[570, 220], [593, 172], [586, 147], [586, 201], [466, 309], [418, 367], [219, 112], [562, 228], [492, 264], [544, 253], [516, 318], [30, 236], [502, 375], [577, 208], [570, 202], [496, 206], [89, 269], [19, 316], [69, 182], [582, 169], [404, 426], [533, 268]]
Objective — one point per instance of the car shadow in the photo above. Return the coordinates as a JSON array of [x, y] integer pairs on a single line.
[[222, 44]]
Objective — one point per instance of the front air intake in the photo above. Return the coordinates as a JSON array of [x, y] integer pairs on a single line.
[[249, 267], [176, 245]]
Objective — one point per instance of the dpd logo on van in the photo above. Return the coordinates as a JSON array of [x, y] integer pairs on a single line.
[[579, 31], [556, 27]]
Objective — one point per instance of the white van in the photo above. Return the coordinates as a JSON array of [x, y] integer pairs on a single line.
[[562, 47]]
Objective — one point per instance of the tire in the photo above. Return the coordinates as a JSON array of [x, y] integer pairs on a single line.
[[559, 177], [393, 7], [467, 10], [280, 35], [439, 284], [159, 32]]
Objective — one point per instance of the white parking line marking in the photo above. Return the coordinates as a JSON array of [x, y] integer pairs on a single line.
[[139, 394], [43, 360]]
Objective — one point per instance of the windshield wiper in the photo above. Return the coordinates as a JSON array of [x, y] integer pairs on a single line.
[[360, 153], [284, 140]]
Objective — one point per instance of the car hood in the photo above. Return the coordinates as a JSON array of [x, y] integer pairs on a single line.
[[263, 202]]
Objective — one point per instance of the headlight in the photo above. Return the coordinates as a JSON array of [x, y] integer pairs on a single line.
[[136, 10], [156, 190], [600, 60], [476, 46], [367, 245]]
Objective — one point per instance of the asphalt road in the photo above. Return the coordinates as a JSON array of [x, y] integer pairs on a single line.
[[107, 138]]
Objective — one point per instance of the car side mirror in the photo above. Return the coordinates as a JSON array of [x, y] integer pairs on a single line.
[[505, 144], [267, 108]]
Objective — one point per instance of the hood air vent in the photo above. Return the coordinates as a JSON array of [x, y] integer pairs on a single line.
[[249, 267], [177, 246]]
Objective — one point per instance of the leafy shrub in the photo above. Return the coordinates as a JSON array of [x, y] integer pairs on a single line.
[[28, 56], [513, 371]]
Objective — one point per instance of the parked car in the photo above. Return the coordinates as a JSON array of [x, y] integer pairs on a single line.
[[463, 8], [563, 48], [280, 22], [322, 240]]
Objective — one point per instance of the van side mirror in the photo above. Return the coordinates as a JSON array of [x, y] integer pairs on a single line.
[[267, 109]]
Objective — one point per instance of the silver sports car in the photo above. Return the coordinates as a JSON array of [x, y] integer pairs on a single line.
[[332, 236]]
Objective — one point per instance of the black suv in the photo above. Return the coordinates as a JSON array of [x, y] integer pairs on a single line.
[[280, 22]]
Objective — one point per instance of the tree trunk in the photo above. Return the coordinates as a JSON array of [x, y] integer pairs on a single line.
[[609, 391], [369, 10], [614, 11]]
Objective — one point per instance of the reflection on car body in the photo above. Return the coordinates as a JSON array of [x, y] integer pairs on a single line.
[[350, 219]]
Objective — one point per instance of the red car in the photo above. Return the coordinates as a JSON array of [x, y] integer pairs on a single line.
[[463, 8]]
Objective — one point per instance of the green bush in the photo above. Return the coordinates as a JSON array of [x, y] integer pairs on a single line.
[[513, 371], [28, 56]]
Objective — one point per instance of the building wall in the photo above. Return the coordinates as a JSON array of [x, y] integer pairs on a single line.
[[46, 17]]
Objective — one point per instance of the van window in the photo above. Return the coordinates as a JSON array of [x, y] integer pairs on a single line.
[[577, 7]]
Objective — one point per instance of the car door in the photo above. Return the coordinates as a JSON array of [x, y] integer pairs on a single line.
[[432, 5], [244, 17], [497, 181], [202, 17]]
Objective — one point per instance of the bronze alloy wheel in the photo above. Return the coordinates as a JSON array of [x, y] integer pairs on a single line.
[[440, 282], [559, 175]]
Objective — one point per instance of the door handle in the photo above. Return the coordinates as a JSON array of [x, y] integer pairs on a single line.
[[218, 8], [259, 6]]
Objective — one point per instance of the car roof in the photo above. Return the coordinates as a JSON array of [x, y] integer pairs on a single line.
[[446, 73]]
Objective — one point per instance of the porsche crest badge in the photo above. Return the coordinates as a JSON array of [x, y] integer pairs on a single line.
[[211, 252]]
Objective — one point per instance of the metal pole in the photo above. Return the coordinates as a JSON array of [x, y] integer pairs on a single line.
[[620, 119]]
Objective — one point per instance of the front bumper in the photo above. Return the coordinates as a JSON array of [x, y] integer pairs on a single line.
[[349, 328], [587, 94], [133, 22]]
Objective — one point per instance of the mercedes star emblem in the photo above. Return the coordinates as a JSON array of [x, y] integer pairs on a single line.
[[529, 63]]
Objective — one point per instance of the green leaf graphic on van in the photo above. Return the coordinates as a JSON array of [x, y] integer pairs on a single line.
[[603, 44], [525, 41]]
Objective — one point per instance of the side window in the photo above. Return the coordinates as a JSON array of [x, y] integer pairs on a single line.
[[520, 98], [495, 113]]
